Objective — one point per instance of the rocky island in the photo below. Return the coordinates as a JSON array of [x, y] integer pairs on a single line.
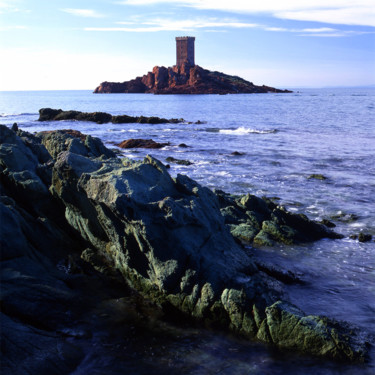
[[185, 78], [82, 228]]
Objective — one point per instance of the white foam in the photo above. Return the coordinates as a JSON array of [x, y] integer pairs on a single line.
[[242, 130]]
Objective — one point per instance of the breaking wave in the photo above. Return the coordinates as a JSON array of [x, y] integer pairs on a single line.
[[242, 130]]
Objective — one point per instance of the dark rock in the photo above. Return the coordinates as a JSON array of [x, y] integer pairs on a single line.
[[165, 236], [261, 222], [141, 143], [328, 223], [345, 217], [183, 145], [74, 141], [317, 177], [236, 153], [185, 80], [364, 237], [14, 127], [48, 114], [287, 326], [287, 277], [178, 161]]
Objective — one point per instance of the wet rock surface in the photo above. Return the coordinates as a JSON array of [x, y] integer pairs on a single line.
[[82, 229], [185, 79], [259, 221]]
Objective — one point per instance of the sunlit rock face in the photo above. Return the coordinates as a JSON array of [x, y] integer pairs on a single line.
[[185, 79]]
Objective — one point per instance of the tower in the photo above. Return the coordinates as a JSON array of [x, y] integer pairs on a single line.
[[185, 50]]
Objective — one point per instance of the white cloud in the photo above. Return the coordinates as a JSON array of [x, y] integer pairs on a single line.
[[83, 12], [10, 6], [348, 12], [348, 16], [162, 24], [212, 24]]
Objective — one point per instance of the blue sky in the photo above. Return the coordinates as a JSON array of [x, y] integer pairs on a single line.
[[76, 44]]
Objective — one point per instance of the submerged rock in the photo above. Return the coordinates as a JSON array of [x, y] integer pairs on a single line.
[[361, 237], [316, 176], [170, 159], [166, 237]]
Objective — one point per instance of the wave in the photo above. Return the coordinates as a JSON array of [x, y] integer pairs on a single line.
[[242, 130], [123, 130], [17, 114]]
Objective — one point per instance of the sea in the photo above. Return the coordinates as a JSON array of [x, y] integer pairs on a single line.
[[312, 151]]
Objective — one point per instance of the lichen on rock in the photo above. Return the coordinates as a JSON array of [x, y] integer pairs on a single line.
[[166, 236]]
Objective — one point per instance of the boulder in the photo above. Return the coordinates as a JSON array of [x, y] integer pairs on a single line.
[[141, 143], [261, 222]]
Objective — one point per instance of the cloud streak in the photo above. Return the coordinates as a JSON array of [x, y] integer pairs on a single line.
[[346, 12], [90, 13], [214, 25], [161, 24]]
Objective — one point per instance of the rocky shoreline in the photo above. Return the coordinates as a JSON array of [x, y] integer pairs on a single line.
[[79, 223], [185, 79]]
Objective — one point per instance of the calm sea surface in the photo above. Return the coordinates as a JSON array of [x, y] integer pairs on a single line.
[[283, 140]]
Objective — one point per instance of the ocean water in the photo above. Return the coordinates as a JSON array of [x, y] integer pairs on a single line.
[[282, 139]]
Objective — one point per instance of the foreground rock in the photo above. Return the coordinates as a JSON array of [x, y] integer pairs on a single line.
[[66, 198], [185, 80], [49, 114], [261, 222]]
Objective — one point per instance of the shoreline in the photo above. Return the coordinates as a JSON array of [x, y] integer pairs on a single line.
[[79, 160]]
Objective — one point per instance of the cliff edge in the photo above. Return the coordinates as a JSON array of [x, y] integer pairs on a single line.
[[185, 80]]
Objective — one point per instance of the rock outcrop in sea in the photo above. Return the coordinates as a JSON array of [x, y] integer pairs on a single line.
[[50, 114], [185, 79], [73, 215]]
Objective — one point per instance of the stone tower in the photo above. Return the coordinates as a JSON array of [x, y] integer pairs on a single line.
[[185, 50]]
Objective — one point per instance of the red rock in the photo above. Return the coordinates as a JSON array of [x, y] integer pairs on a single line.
[[185, 79], [140, 143]]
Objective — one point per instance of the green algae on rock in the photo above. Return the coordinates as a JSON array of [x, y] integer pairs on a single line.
[[166, 236]]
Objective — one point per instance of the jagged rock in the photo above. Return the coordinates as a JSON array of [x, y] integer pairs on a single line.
[[165, 236], [185, 79], [288, 327], [73, 141], [141, 143], [260, 222]]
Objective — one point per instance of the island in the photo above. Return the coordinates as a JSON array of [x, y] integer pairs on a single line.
[[185, 78]]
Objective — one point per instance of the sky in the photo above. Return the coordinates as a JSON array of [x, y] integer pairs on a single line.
[[77, 44]]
